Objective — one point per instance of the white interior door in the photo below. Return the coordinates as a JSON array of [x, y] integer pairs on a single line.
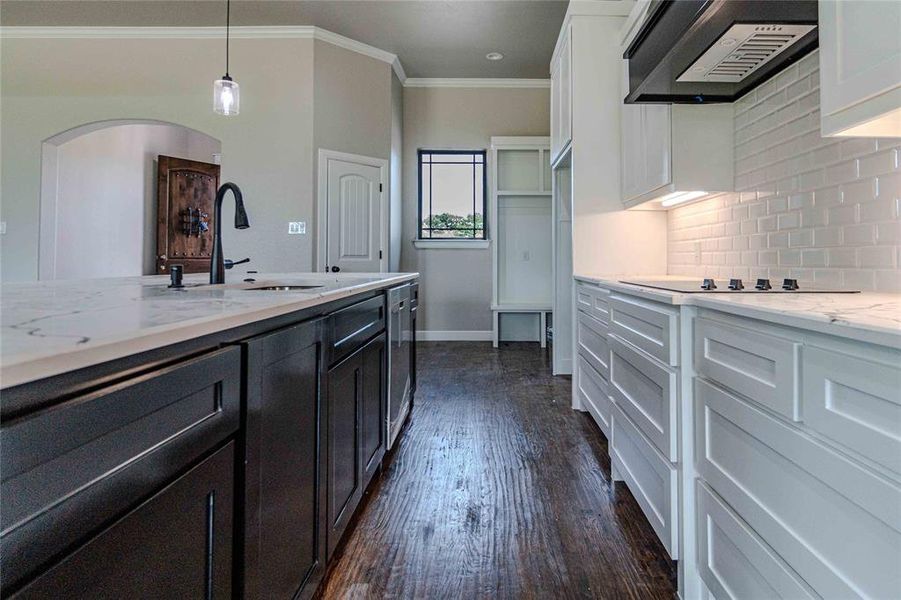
[[354, 219]]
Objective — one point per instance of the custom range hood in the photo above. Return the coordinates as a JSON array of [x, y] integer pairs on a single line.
[[705, 51]]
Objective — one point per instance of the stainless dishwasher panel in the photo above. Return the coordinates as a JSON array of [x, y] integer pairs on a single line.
[[400, 336]]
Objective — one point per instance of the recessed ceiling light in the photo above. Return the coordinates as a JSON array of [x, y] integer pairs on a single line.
[[494, 56]]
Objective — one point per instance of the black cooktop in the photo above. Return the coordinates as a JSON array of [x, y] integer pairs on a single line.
[[734, 286]]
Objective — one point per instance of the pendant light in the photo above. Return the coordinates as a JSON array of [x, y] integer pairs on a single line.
[[226, 91]]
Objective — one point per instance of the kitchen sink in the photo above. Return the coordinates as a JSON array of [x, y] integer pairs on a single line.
[[283, 288]]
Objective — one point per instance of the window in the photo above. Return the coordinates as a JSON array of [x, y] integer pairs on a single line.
[[452, 194]]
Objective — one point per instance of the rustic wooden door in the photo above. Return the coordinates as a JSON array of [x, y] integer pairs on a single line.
[[186, 190]]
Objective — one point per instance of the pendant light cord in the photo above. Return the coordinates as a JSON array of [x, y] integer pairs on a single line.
[[228, 6]]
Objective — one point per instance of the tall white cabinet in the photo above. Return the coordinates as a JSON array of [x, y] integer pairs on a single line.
[[592, 232], [561, 96], [521, 253], [860, 68]]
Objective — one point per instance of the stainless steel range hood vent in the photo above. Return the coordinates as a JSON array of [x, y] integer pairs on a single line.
[[704, 51], [742, 50]]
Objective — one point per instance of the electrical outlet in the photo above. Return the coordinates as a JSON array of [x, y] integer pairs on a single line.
[[297, 227], [526, 256]]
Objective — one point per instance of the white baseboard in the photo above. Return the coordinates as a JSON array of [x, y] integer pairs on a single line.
[[453, 336]]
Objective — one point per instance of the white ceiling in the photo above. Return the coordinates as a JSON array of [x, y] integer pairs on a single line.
[[432, 38]]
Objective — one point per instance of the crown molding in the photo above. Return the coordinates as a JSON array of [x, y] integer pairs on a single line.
[[241, 32], [459, 82]]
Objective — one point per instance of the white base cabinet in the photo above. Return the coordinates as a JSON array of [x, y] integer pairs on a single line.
[[767, 458]]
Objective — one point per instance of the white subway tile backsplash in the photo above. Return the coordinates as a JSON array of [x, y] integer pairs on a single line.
[[842, 172], [841, 257], [827, 196], [823, 210], [856, 146], [859, 191], [860, 235], [789, 220], [878, 164], [888, 233], [880, 257], [814, 257], [881, 209], [842, 215], [800, 238], [813, 217], [823, 237]]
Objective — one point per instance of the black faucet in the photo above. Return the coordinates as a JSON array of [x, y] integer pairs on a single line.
[[217, 263]]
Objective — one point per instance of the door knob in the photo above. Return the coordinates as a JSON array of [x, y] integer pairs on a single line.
[[335, 269]]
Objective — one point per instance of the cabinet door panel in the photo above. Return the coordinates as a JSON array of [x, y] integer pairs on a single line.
[[291, 538], [373, 406], [566, 91], [657, 145], [555, 109], [177, 544], [344, 488]]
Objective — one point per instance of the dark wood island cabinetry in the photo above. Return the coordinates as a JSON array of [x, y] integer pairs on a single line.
[[229, 466]]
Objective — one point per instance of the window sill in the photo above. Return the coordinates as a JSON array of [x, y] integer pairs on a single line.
[[458, 244]]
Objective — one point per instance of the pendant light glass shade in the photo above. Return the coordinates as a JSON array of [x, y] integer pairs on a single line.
[[226, 91], [226, 96]]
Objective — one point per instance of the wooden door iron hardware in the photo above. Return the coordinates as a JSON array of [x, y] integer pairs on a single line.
[[194, 221]]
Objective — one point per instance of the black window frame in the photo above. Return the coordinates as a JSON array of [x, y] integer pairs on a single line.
[[481, 152]]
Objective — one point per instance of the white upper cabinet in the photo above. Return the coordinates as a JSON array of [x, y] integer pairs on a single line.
[[860, 68], [671, 153], [561, 96], [669, 150], [646, 147]]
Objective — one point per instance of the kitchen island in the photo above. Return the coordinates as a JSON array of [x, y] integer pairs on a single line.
[[212, 440]]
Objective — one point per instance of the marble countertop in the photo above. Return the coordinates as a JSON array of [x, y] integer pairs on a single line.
[[868, 316], [52, 327]]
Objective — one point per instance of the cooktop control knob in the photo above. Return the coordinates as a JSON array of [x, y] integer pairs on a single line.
[[763, 285], [736, 284], [708, 285], [790, 285]]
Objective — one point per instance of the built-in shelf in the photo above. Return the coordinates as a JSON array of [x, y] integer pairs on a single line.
[[521, 255]]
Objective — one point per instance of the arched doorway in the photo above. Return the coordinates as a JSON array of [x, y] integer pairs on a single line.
[[98, 195]]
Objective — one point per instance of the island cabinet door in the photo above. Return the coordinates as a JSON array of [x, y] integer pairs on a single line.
[[345, 487], [284, 516], [176, 544], [375, 396]]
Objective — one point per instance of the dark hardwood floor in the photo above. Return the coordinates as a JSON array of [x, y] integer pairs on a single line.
[[498, 489]]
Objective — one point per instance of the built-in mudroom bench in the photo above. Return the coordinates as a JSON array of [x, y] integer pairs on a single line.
[[211, 441]]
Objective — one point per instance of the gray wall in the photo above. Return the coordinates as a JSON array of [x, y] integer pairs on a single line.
[[106, 197], [352, 95], [396, 184], [456, 284], [269, 149]]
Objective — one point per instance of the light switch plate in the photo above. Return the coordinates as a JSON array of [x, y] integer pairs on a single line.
[[2, 227], [297, 227]]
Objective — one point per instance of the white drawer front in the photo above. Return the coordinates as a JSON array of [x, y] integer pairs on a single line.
[[592, 337], [650, 326], [593, 300], [647, 392], [651, 479], [760, 366], [734, 562], [855, 402], [594, 394], [833, 522]]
